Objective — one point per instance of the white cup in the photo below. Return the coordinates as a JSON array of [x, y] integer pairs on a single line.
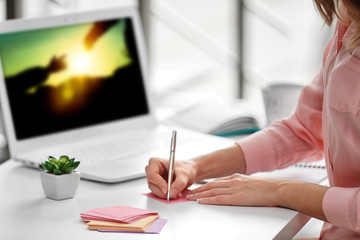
[[280, 99]]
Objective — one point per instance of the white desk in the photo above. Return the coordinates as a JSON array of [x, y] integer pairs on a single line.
[[25, 213]]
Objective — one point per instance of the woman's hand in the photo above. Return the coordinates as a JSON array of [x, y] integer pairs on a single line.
[[222, 162], [238, 190], [157, 175]]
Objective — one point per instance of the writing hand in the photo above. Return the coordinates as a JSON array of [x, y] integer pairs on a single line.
[[157, 173]]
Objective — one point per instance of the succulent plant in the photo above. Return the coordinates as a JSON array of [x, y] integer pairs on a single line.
[[63, 165]]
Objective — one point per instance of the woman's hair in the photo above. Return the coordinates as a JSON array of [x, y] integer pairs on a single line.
[[329, 9]]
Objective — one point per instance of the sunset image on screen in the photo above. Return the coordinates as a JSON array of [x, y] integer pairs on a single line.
[[72, 68]]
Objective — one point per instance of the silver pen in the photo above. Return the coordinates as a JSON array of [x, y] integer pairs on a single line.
[[171, 162]]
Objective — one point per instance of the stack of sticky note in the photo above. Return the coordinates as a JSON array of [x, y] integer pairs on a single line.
[[123, 219]]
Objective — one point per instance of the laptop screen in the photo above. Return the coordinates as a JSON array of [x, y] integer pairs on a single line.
[[73, 76]]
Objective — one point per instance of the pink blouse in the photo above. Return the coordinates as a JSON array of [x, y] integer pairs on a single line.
[[326, 123]]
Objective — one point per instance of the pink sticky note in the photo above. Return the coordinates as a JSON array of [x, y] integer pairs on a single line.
[[119, 213], [89, 217], [172, 201]]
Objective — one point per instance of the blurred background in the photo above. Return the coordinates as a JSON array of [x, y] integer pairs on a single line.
[[228, 48], [206, 49]]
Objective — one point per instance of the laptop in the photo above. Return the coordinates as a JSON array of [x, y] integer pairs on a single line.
[[77, 85]]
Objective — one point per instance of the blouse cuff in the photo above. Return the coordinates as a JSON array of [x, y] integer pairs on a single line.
[[336, 206], [254, 147]]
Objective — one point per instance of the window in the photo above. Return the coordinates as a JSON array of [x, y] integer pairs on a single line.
[[193, 46], [283, 41]]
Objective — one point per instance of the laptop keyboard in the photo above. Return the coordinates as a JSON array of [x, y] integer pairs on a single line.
[[115, 149], [110, 150], [119, 149]]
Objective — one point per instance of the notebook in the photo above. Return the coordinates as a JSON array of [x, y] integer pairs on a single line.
[[313, 172], [76, 85]]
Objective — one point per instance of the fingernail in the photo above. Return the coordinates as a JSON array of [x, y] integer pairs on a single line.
[[173, 193], [164, 190], [189, 196]]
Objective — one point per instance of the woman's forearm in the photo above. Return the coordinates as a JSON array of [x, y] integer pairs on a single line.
[[220, 163]]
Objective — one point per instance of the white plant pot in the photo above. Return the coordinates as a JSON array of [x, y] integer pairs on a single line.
[[59, 187]]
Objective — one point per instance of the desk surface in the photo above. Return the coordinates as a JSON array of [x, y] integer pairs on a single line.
[[25, 213]]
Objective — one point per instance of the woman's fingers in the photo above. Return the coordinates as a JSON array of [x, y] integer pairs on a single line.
[[212, 189], [156, 190], [155, 171], [216, 200], [177, 187], [182, 180], [219, 183]]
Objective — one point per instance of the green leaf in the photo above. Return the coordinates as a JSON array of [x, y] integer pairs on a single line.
[[61, 165], [69, 169], [67, 164], [76, 164], [57, 171], [63, 158], [71, 161], [51, 158], [54, 162], [44, 165], [50, 166]]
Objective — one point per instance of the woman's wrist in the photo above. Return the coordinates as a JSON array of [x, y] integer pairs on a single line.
[[302, 196], [195, 167], [220, 163]]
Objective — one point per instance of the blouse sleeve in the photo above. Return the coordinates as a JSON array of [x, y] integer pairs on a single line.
[[293, 139]]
